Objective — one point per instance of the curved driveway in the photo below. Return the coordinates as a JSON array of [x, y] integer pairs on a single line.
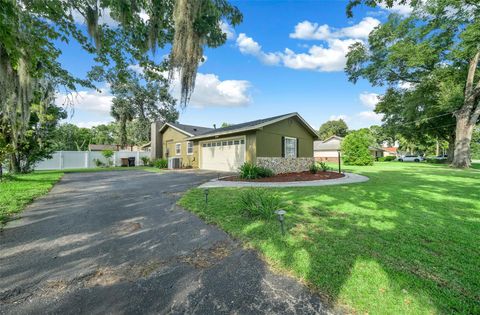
[[116, 243]]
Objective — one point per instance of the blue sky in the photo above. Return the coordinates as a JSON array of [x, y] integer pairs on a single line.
[[286, 56]]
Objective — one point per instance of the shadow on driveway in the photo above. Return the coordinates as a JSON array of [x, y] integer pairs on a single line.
[[117, 243]]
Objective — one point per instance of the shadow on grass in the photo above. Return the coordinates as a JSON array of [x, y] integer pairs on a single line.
[[404, 242]]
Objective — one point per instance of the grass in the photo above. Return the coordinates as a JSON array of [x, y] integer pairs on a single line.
[[405, 242], [16, 192]]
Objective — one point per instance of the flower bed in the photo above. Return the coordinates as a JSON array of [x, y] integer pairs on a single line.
[[289, 177]]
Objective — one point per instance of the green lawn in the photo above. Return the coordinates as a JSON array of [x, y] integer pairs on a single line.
[[19, 190], [405, 242]]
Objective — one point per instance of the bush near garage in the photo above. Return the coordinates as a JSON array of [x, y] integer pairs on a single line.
[[160, 163]]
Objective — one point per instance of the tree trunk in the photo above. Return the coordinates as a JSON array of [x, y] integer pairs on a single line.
[[463, 138], [451, 148], [467, 117], [15, 164]]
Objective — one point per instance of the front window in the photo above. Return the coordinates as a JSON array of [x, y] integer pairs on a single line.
[[189, 147], [178, 148], [290, 147]]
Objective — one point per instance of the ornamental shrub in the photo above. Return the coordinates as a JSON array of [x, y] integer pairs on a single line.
[[390, 158], [160, 163], [251, 171], [355, 148], [259, 203]]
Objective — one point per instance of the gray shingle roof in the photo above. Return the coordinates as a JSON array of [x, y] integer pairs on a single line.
[[194, 130], [243, 126]]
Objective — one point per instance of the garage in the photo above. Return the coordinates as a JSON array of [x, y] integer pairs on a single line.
[[222, 154]]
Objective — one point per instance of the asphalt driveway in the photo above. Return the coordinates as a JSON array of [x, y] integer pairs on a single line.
[[115, 242]]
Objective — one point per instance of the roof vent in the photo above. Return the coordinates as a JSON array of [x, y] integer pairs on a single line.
[[194, 129], [214, 126]]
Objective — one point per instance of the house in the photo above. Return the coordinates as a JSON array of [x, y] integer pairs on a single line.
[[390, 151], [282, 143], [329, 150]]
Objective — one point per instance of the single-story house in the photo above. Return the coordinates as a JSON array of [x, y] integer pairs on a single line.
[[282, 143], [329, 150], [390, 151]]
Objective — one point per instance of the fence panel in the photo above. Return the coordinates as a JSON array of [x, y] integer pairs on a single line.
[[85, 159]]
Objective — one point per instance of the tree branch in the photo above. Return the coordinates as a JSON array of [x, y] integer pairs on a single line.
[[471, 75]]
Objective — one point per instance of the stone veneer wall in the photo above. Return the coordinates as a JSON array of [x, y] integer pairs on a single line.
[[285, 165]]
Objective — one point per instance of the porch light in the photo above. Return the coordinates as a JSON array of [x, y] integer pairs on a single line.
[[281, 217]]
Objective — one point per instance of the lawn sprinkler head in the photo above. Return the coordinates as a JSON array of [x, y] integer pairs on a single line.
[[281, 217]]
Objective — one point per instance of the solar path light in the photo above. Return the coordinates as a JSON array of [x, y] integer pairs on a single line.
[[206, 195], [281, 217]]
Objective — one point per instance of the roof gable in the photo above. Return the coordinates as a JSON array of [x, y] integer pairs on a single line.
[[188, 130]]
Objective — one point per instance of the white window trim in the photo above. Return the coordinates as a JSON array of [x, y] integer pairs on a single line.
[[285, 147], [189, 142], [179, 152]]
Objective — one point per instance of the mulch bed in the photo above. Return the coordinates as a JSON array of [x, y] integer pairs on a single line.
[[289, 177]]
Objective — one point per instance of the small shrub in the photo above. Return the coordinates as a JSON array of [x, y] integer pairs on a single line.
[[160, 163], [390, 158], [145, 160], [323, 166], [436, 161], [251, 171], [107, 154], [314, 168], [259, 203], [264, 172], [381, 159], [98, 163]]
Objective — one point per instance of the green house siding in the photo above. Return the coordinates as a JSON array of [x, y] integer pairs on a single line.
[[170, 138], [269, 139]]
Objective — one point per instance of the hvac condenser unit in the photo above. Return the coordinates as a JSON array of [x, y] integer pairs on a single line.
[[174, 162]]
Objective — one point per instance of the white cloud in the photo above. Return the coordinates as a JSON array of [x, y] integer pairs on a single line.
[[313, 31], [320, 58], [367, 119], [326, 57], [248, 46], [369, 100], [227, 29], [338, 117], [402, 9], [90, 124], [210, 91], [89, 100]]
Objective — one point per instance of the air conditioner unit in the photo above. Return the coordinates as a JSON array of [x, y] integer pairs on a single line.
[[174, 162]]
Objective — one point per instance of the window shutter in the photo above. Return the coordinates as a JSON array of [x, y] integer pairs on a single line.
[[283, 146], [298, 147]]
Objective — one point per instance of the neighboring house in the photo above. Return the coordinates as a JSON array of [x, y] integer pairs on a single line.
[[390, 151], [283, 143], [328, 150], [101, 147]]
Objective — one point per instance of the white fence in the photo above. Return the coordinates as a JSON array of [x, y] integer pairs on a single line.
[[85, 159]]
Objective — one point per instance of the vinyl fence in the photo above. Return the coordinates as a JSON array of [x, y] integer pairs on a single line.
[[62, 160]]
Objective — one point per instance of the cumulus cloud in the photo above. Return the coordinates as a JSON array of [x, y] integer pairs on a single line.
[[210, 91], [402, 9], [338, 117], [227, 29], [248, 46], [90, 100], [313, 31], [325, 57], [369, 100]]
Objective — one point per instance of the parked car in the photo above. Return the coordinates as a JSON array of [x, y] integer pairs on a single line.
[[410, 158], [441, 157]]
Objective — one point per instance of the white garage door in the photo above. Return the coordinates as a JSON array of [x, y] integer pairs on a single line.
[[226, 155]]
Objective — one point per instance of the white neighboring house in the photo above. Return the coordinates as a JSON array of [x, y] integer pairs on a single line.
[[328, 150]]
